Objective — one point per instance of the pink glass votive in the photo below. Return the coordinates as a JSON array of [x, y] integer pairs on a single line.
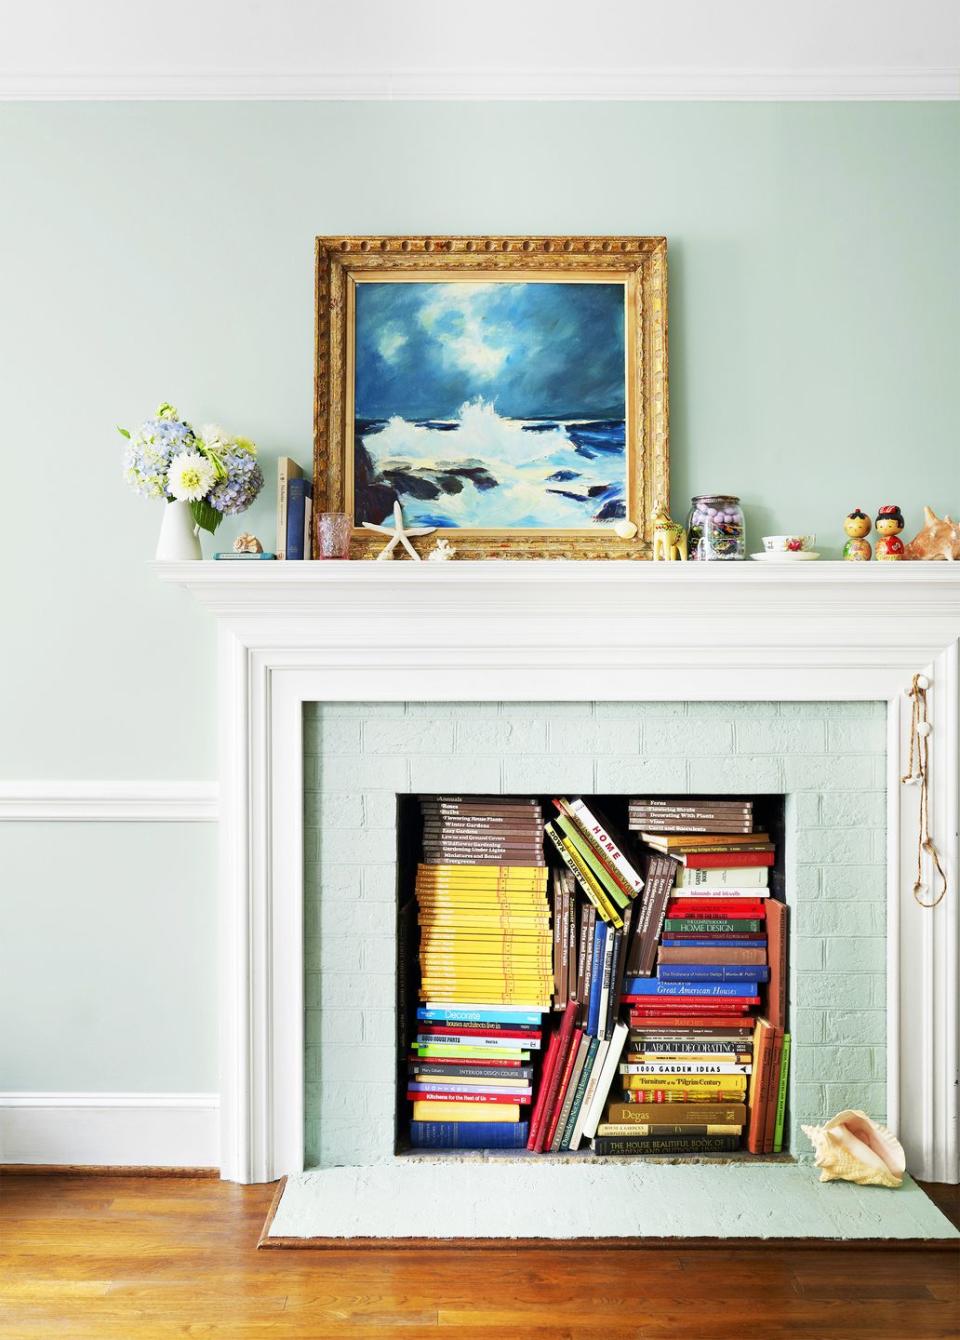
[[333, 535]]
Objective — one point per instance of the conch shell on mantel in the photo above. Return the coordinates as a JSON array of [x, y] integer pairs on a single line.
[[940, 538], [851, 1147]]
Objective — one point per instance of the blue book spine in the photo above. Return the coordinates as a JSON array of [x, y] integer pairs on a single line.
[[469, 1134], [298, 491], [652, 986], [668, 943], [491, 1015], [596, 978], [712, 972]]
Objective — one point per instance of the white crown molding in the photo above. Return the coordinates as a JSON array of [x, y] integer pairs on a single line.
[[109, 802], [681, 84], [158, 1130]]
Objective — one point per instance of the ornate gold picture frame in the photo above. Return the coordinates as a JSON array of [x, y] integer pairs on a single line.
[[511, 391]]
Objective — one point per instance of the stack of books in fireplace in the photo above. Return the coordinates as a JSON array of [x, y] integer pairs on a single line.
[[486, 975]]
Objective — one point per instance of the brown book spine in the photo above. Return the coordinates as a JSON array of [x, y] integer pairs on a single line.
[[728, 1114], [658, 881], [772, 1092], [759, 1091], [719, 955], [776, 919]]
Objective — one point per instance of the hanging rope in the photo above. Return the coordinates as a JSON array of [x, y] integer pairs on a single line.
[[916, 775]]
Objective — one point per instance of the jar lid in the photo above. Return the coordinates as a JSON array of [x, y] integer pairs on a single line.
[[715, 497]]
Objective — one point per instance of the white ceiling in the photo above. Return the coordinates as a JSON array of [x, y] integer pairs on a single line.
[[640, 49]]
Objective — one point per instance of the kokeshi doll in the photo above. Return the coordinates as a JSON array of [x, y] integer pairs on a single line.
[[889, 525], [857, 548]]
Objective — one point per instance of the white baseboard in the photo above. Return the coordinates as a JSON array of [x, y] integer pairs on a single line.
[[109, 802], [161, 1130]]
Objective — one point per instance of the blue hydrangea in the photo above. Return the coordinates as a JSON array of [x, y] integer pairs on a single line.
[[243, 481], [149, 452]]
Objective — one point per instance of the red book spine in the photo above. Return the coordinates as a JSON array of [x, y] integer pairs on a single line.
[[761, 1065], [549, 1089], [562, 1089], [454, 1030], [494, 1060], [716, 909], [549, 1063], [429, 1096], [715, 1021], [695, 1004], [719, 860]]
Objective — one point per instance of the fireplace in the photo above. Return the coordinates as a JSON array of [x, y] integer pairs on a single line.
[[696, 679]]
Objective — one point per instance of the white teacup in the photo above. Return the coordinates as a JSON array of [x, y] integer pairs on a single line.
[[789, 544]]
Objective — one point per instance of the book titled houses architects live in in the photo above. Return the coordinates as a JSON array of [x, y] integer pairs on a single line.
[[585, 984]]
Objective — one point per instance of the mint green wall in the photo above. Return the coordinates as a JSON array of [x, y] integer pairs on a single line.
[[164, 251]]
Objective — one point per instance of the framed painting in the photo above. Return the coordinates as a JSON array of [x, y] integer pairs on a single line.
[[509, 391]]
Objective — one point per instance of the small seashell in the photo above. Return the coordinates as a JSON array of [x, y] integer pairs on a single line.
[[625, 530], [851, 1147], [247, 544], [442, 552]]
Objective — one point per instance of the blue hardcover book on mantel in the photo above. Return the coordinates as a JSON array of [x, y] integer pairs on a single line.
[[478, 1014], [298, 491], [668, 943], [596, 977]]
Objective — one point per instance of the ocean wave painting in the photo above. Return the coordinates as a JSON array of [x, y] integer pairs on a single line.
[[490, 405]]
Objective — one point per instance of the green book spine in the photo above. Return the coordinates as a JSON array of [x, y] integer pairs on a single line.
[[589, 857], [750, 925], [782, 1095], [581, 1089]]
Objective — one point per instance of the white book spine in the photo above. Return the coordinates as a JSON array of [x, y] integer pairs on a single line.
[[711, 891], [599, 838], [687, 1068], [724, 877], [607, 1073]]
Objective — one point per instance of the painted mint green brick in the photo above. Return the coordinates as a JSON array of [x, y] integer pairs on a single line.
[[780, 736], [330, 883], [641, 776], [342, 845], [356, 991], [338, 1102], [836, 1064], [594, 737], [811, 1100], [363, 774], [313, 712], [866, 884], [831, 919], [410, 736], [856, 1026], [808, 1025], [857, 954], [337, 1026], [505, 735], [548, 711], [826, 773], [336, 809], [732, 712], [835, 711], [692, 736], [868, 1097], [804, 884], [380, 955], [348, 1061], [736, 774], [840, 991], [379, 883], [849, 809], [549, 772], [454, 711], [378, 1026], [840, 846], [379, 809], [807, 954], [332, 735], [856, 738], [639, 711], [454, 772], [340, 953], [807, 809]]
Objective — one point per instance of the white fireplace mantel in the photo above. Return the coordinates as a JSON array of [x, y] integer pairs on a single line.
[[291, 633]]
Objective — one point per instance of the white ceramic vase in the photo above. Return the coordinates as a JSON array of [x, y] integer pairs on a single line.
[[179, 539]]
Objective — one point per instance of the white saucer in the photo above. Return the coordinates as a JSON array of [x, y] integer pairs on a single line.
[[782, 556]]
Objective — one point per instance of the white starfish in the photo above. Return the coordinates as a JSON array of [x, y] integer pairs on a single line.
[[398, 535]]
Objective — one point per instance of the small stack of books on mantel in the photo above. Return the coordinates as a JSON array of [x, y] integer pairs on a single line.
[[485, 971], [702, 1069]]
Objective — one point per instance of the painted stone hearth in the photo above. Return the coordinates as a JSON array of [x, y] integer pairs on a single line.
[[826, 758]]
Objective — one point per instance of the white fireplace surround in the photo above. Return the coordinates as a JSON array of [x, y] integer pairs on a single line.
[[293, 633]]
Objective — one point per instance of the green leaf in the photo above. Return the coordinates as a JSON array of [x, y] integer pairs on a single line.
[[206, 517], [123, 431]]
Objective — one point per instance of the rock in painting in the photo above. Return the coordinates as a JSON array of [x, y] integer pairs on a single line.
[[939, 538]]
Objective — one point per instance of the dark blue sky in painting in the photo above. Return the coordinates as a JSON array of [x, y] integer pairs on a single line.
[[533, 350]]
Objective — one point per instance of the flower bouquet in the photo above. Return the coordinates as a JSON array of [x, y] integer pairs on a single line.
[[203, 477]]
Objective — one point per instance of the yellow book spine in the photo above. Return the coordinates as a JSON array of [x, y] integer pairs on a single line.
[[600, 896], [466, 1111], [462, 1050], [531, 874], [702, 1083]]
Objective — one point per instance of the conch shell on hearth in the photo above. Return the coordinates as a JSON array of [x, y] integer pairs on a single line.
[[851, 1147], [940, 538]]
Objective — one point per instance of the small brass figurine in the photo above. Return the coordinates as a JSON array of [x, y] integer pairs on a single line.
[[857, 548], [889, 525], [669, 538]]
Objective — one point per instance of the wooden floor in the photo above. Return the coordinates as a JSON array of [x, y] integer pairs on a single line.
[[125, 1257]]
